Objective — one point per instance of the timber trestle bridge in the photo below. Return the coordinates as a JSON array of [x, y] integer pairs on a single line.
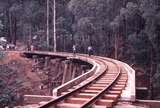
[[106, 83]]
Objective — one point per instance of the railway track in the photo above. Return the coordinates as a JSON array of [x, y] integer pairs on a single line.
[[102, 90]]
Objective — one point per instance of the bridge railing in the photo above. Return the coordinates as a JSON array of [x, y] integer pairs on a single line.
[[130, 95], [57, 91], [132, 80]]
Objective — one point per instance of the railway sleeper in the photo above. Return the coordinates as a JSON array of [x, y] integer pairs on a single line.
[[121, 83], [91, 91], [107, 80], [114, 92], [105, 102], [117, 88], [123, 78], [95, 88], [76, 100], [99, 106], [99, 85], [102, 83], [85, 95], [120, 86], [111, 96], [67, 105], [109, 75]]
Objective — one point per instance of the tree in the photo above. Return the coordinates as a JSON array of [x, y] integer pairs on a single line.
[[9, 86], [48, 23]]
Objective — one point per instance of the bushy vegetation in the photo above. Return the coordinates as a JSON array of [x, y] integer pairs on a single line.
[[2, 54], [10, 84]]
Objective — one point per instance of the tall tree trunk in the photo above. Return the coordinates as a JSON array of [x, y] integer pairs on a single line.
[[23, 30], [7, 24], [151, 75], [54, 25], [15, 31], [116, 46], [48, 23], [30, 35], [10, 27], [72, 33]]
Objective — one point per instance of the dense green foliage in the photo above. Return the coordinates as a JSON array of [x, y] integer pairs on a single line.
[[128, 30], [10, 84]]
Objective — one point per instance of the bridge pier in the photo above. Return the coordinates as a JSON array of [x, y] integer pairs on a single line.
[[47, 61], [35, 58], [67, 75], [72, 70], [75, 70], [85, 68], [35, 65]]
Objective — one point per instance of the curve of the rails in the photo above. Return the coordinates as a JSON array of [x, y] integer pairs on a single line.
[[76, 80], [101, 67], [129, 94], [98, 98], [101, 71], [54, 102]]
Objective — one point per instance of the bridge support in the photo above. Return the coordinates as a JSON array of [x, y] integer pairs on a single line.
[[72, 70], [35, 60], [47, 61], [67, 75]]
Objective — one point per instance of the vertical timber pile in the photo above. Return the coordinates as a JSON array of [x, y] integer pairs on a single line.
[[47, 60], [73, 71], [67, 72], [48, 72]]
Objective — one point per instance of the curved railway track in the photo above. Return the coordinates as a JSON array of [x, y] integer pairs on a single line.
[[101, 90]]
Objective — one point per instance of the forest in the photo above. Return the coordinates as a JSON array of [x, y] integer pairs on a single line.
[[127, 30]]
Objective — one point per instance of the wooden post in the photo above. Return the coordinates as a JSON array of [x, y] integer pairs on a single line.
[[73, 71], [67, 72], [83, 68], [35, 58], [47, 60], [35, 62]]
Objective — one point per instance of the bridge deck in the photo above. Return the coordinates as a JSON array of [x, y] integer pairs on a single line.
[[99, 87]]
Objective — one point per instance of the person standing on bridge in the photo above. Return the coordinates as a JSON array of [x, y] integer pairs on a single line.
[[32, 48], [90, 50], [74, 49]]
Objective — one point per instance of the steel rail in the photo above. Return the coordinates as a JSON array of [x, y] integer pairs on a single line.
[[99, 95], [89, 103], [93, 99], [61, 98]]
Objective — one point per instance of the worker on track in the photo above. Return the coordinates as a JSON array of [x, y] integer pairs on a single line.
[[90, 50], [74, 49]]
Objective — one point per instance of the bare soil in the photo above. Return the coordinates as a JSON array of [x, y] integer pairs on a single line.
[[31, 81]]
